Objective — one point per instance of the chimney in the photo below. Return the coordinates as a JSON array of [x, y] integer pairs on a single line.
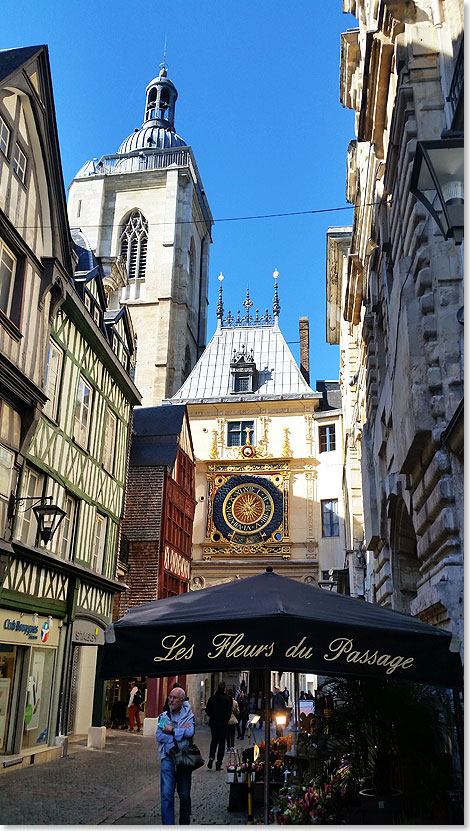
[[304, 348]]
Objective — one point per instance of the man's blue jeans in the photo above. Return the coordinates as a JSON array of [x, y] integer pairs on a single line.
[[169, 779]]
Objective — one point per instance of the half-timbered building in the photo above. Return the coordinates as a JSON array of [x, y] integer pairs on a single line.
[[66, 399]]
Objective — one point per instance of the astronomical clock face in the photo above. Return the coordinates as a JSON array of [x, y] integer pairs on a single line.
[[248, 509]]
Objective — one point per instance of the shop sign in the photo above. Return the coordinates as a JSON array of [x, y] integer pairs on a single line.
[[87, 633], [28, 629]]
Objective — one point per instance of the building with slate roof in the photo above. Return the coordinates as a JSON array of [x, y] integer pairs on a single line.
[[157, 527], [268, 450], [149, 224]]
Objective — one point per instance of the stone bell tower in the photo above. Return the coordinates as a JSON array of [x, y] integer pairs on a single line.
[[147, 218]]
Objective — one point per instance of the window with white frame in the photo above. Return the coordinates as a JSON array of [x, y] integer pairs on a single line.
[[7, 277], [19, 163], [64, 543], [82, 415], [53, 374], [99, 538], [7, 460], [4, 137], [327, 436], [329, 518], [32, 489], [109, 441]]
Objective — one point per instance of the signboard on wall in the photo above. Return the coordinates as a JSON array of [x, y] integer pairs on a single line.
[[87, 633], [28, 629]]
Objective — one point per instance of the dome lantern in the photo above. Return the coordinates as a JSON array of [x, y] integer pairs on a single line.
[[161, 95]]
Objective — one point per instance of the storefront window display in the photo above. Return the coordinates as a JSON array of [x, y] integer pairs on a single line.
[[28, 648], [36, 713], [7, 666]]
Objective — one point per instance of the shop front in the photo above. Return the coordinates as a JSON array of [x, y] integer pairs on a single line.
[[29, 646]]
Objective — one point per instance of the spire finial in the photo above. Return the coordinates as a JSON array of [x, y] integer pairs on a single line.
[[247, 301], [276, 304], [220, 305], [163, 65]]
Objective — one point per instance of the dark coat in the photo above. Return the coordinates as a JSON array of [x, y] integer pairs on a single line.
[[244, 707], [219, 709]]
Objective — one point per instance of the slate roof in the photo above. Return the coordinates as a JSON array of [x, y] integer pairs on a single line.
[[156, 431], [279, 375], [86, 258], [12, 59], [331, 396]]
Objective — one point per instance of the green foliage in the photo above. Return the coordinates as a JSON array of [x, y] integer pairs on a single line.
[[394, 733]]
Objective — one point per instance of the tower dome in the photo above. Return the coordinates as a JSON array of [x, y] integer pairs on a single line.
[[158, 128]]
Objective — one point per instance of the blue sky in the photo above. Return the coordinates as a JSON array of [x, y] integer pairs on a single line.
[[258, 86]]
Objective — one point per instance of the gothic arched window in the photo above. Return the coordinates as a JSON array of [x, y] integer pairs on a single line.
[[133, 242]]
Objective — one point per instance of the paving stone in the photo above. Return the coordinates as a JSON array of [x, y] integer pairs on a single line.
[[119, 785]]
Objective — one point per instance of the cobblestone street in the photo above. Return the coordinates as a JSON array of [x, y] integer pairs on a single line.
[[119, 785]]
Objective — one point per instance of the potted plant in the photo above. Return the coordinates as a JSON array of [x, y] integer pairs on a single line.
[[395, 736]]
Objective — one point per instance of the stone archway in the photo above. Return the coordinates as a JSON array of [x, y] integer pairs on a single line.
[[404, 558]]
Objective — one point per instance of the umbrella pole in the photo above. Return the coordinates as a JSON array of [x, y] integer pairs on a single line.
[[296, 710], [267, 735]]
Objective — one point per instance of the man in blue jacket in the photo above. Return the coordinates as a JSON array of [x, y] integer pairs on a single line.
[[176, 723]]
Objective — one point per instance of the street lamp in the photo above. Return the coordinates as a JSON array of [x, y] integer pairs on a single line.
[[437, 181], [281, 723], [48, 516]]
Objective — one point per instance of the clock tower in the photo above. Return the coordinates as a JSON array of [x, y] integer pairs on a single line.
[[268, 456]]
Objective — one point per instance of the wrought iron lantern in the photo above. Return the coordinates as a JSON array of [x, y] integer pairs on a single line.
[[48, 516], [437, 181]]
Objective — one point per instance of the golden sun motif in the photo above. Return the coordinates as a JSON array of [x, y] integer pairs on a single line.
[[248, 508]]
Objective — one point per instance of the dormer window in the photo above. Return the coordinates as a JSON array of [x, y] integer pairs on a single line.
[[243, 372]]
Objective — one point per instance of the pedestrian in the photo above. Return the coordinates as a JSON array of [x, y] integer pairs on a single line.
[[278, 707], [252, 703], [260, 708], [175, 686], [286, 695], [176, 723], [219, 709], [135, 700], [244, 714], [232, 722]]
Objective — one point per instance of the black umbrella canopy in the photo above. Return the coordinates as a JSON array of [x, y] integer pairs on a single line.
[[269, 621]]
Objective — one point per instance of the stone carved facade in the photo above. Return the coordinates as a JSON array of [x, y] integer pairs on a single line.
[[403, 292]]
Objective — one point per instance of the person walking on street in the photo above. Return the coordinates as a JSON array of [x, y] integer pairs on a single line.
[[135, 700], [278, 707], [219, 709], [232, 722], [177, 723], [286, 695], [244, 708], [260, 707]]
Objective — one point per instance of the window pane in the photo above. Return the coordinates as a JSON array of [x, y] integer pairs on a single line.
[[109, 441], [330, 519], [82, 412], [7, 268], [53, 372], [4, 137], [6, 465], [327, 438], [98, 547]]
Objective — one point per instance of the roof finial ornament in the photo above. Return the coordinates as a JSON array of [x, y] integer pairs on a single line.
[[163, 65], [276, 304], [247, 301], [220, 305]]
